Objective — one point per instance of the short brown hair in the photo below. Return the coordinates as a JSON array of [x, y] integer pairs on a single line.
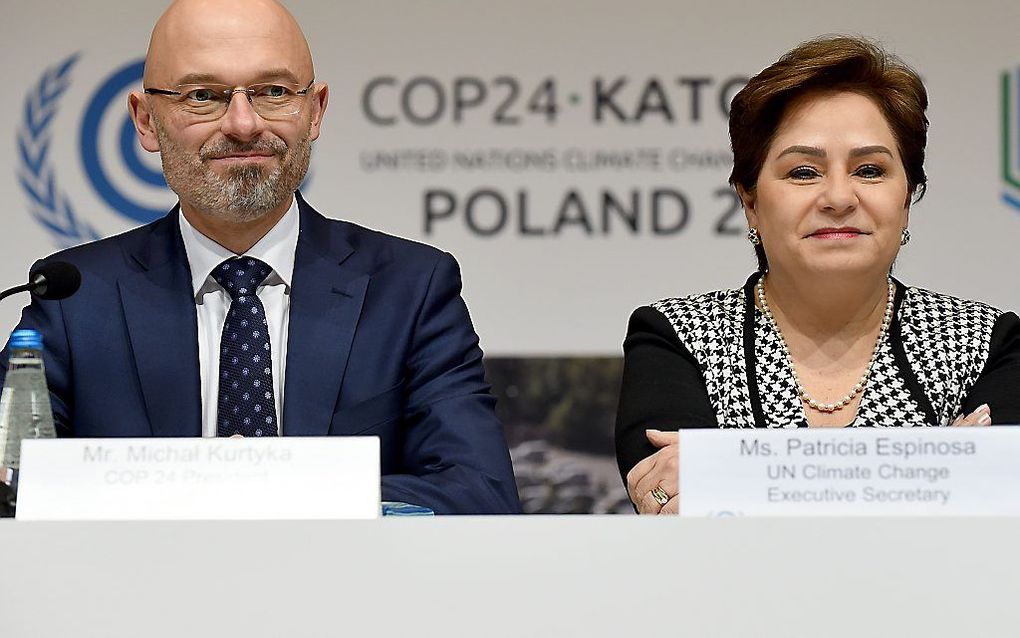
[[839, 63]]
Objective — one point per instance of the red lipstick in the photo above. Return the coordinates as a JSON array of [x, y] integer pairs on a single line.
[[843, 232]]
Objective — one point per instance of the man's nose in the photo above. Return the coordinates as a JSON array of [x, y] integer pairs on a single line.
[[241, 122]]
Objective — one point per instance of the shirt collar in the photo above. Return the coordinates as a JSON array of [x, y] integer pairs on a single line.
[[276, 248]]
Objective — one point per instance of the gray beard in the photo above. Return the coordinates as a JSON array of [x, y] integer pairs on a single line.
[[246, 193]]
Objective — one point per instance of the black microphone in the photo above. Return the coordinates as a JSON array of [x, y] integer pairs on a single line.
[[49, 280]]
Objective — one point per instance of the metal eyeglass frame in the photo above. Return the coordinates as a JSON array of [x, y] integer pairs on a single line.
[[248, 91]]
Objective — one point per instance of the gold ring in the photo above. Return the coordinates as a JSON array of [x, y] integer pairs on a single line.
[[660, 495]]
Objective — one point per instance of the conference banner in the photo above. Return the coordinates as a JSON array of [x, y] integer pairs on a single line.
[[572, 155]]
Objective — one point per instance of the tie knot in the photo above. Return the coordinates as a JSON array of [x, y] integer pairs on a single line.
[[241, 276]]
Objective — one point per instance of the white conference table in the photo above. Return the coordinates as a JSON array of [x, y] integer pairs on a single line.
[[513, 576]]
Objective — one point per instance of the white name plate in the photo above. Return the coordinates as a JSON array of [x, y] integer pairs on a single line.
[[850, 471], [204, 479]]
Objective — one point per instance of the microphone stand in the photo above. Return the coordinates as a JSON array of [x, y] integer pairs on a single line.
[[22, 288]]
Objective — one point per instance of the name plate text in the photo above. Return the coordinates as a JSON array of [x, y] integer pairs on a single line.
[[850, 471], [204, 479]]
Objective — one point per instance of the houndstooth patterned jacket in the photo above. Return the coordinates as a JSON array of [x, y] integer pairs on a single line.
[[934, 353]]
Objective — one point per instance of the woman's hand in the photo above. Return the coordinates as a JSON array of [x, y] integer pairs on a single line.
[[981, 416], [657, 475]]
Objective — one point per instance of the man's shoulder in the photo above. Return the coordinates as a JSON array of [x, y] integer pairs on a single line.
[[375, 250], [110, 251], [372, 240]]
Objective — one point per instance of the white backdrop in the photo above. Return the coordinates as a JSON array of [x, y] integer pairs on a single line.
[[566, 291]]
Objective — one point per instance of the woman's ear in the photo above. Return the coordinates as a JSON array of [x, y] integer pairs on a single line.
[[747, 200]]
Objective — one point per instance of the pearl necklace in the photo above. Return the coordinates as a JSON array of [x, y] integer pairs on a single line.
[[859, 386]]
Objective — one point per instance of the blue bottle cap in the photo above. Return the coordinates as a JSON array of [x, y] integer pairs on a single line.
[[26, 340]]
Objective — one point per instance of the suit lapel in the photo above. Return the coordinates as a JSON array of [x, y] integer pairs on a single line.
[[159, 308], [325, 305]]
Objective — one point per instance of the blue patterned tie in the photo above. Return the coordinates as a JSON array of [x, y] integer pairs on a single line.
[[246, 405]]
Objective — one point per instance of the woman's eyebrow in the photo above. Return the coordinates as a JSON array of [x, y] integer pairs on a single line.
[[870, 150], [813, 151]]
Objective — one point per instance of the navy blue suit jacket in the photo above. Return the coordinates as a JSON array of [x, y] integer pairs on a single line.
[[380, 343]]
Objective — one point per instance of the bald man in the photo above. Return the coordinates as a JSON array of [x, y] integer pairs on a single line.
[[244, 312]]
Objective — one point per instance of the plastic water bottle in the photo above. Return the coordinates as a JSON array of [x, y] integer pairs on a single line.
[[25, 411]]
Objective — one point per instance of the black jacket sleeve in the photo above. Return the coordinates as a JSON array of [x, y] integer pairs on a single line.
[[663, 387], [999, 383]]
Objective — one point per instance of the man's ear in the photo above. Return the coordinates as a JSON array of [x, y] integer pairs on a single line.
[[320, 97], [748, 201], [138, 107]]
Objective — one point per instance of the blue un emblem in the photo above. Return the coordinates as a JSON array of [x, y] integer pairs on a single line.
[[105, 125]]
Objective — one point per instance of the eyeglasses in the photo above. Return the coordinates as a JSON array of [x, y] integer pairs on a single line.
[[206, 102]]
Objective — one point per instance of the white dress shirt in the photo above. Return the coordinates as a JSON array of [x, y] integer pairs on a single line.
[[277, 249]]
